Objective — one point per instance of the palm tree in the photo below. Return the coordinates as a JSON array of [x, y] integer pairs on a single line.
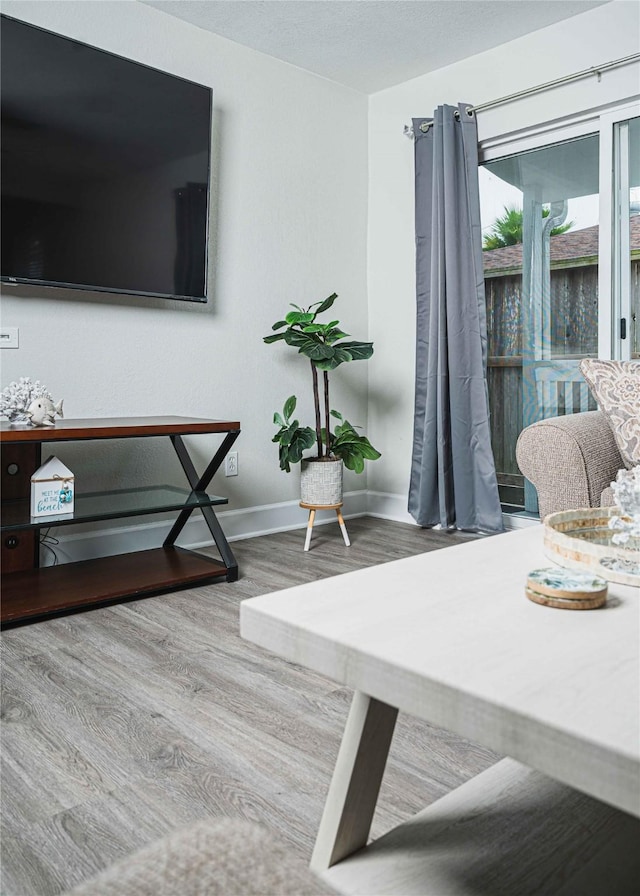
[[507, 229]]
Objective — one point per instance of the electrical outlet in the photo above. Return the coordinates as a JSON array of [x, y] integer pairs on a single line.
[[231, 464], [9, 337]]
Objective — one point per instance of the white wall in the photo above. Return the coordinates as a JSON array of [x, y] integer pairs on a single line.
[[289, 225], [304, 193], [603, 34]]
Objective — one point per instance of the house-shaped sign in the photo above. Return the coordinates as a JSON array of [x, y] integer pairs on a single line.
[[52, 489]]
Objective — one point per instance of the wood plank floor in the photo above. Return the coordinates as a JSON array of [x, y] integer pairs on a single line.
[[120, 724]]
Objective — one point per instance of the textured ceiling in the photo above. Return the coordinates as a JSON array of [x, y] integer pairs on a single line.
[[372, 44]]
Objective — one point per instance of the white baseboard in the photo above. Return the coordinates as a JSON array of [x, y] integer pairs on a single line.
[[248, 522], [388, 506], [519, 521], [268, 518], [394, 507]]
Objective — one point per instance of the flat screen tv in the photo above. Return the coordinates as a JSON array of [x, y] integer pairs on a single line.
[[105, 170]]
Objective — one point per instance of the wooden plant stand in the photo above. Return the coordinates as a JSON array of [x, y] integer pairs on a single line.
[[312, 516]]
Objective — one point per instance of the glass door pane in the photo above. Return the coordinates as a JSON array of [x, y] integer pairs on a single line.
[[540, 214]]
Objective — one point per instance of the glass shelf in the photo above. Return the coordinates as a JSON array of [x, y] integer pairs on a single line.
[[109, 505]]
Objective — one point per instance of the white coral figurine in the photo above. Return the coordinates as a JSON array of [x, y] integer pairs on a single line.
[[16, 399], [626, 491]]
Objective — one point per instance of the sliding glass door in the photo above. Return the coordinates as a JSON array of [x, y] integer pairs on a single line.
[[634, 236], [561, 231], [626, 238]]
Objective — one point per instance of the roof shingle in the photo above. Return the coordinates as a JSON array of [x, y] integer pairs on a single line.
[[576, 244]]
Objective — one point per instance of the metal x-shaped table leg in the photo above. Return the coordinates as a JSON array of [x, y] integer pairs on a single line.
[[199, 484]]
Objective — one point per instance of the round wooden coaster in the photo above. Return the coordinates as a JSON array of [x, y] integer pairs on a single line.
[[567, 584], [563, 603]]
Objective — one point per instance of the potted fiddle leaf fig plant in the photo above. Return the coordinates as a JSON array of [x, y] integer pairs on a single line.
[[327, 347]]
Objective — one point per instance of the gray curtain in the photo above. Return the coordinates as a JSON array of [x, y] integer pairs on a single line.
[[453, 478]]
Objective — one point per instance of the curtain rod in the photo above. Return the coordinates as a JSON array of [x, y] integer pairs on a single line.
[[594, 70]]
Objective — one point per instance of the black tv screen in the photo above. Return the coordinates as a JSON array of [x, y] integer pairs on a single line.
[[105, 170]]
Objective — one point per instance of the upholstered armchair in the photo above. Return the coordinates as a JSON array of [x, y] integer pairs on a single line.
[[572, 460], [212, 857]]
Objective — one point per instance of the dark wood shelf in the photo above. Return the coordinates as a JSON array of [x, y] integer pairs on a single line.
[[54, 589], [113, 428]]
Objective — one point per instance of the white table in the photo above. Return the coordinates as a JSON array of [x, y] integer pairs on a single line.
[[449, 637]]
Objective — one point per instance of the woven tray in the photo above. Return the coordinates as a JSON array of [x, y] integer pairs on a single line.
[[581, 539]]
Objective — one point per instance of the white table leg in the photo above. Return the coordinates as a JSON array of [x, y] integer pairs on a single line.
[[307, 541], [353, 793], [345, 534]]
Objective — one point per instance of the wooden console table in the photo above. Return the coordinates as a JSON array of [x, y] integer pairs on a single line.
[[31, 592]]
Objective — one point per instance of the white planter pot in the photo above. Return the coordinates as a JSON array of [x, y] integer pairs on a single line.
[[321, 482]]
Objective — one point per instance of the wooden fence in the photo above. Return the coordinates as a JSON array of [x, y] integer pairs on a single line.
[[574, 335], [574, 331]]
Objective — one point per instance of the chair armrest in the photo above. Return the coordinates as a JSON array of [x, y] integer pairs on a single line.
[[570, 460]]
